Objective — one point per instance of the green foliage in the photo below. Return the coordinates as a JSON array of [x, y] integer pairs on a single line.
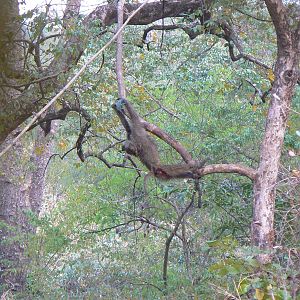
[[239, 271], [100, 236]]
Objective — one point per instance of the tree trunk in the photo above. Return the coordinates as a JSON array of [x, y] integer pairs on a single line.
[[13, 201], [286, 74], [38, 161], [11, 58], [18, 194]]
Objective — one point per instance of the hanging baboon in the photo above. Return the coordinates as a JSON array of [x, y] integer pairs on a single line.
[[140, 144]]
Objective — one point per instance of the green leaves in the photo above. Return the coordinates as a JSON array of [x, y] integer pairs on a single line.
[[106, 231]]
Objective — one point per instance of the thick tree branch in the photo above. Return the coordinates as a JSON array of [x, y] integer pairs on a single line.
[[187, 157], [190, 30], [107, 14], [228, 168]]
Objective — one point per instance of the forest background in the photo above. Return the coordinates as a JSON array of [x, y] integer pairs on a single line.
[[221, 78]]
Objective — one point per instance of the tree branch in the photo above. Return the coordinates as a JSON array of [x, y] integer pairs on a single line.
[[107, 14], [170, 238], [228, 168], [233, 40], [145, 220], [119, 53], [262, 95], [186, 156], [38, 80], [251, 16]]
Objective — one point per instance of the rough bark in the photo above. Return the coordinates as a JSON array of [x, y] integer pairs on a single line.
[[38, 161], [10, 30], [286, 74], [18, 195], [13, 202], [152, 12], [21, 182]]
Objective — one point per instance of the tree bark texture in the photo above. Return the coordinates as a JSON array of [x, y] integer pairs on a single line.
[[11, 58], [21, 190], [286, 74]]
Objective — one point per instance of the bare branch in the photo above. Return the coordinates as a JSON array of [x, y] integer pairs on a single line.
[[107, 14], [62, 114], [80, 140], [119, 54], [158, 27], [191, 30], [60, 156], [228, 168]]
